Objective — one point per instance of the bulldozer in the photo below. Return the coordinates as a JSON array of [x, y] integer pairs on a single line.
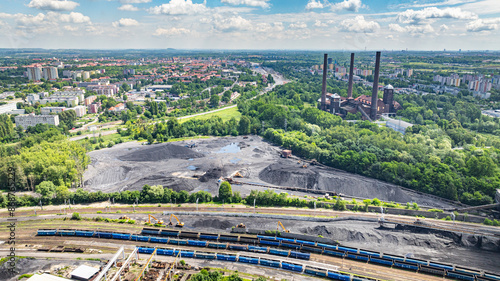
[[178, 224], [282, 226], [241, 225], [157, 220]]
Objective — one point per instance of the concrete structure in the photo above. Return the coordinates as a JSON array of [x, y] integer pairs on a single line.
[[7, 108], [374, 108], [89, 100], [389, 100], [48, 110], [323, 88], [79, 110], [31, 120], [32, 98], [351, 74], [50, 73], [94, 108], [497, 196], [397, 125], [84, 273], [85, 75], [154, 88], [107, 90], [34, 73], [46, 277]]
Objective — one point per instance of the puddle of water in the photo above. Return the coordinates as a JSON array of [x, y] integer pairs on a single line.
[[235, 160], [192, 168], [230, 148], [190, 159]]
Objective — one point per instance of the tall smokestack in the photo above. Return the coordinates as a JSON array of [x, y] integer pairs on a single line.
[[373, 112], [351, 73], [323, 89]]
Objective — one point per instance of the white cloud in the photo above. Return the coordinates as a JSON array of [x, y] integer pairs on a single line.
[[173, 31], [318, 23], [232, 23], [71, 17], [359, 24], [125, 22], [128, 7], [179, 7], [134, 1], [417, 17], [313, 4], [412, 29], [349, 5], [70, 28], [253, 3], [483, 7], [483, 25], [443, 27], [53, 5], [298, 25]]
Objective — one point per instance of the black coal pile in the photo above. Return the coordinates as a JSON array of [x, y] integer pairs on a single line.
[[161, 152]]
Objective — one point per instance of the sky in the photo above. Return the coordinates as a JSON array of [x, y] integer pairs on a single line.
[[251, 24]]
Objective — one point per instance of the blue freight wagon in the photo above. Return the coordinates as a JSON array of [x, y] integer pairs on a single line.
[[158, 240], [223, 257], [316, 271], [440, 265], [208, 256], [150, 231], [248, 260], [169, 233], [145, 250], [197, 243], [121, 236], [228, 237], [209, 236], [238, 247], [46, 232], [346, 249], [84, 233], [257, 249], [66, 232], [278, 252], [140, 238], [291, 266], [270, 263], [309, 243], [290, 245], [165, 252], [102, 234], [383, 261], [298, 255], [338, 276], [217, 245], [285, 239], [460, 276], [334, 253], [406, 265], [269, 242], [359, 257]]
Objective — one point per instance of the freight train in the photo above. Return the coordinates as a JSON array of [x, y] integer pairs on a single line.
[[295, 248]]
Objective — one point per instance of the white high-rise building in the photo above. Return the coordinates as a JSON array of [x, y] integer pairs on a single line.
[[50, 73], [34, 73]]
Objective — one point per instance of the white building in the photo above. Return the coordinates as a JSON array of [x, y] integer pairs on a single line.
[[31, 120], [85, 75], [80, 110], [49, 109], [50, 73], [34, 73], [7, 108], [32, 98]]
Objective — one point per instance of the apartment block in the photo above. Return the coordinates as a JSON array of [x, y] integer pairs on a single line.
[[31, 120]]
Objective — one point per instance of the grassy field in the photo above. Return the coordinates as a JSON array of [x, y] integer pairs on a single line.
[[225, 114]]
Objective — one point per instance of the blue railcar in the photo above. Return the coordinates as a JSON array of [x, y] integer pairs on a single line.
[[460, 276], [150, 231], [121, 236], [146, 250], [224, 257], [312, 249], [251, 260], [335, 253], [347, 249], [217, 245], [316, 271], [266, 237], [84, 233], [139, 238], [46, 232], [165, 252], [159, 240], [492, 276], [102, 234], [406, 265], [187, 254], [228, 237], [466, 270], [289, 245], [209, 236], [327, 246], [285, 239], [309, 243], [383, 261], [177, 241], [257, 249], [393, 257], [66, 232], [279, 252], [440, 265], [238, 247], [338, 276], [359, 257], [270, 263], [371, 254], [197, 243], [298, 255], [169, 233], [207, 256], [269, 242], [416, 261], [291, 266]]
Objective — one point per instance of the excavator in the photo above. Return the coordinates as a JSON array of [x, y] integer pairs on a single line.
[[157, 220], [284, 229], [179, 223]]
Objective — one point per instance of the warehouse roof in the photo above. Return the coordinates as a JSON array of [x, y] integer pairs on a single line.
[[84, 272]]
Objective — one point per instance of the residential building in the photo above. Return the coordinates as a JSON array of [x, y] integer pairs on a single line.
[[31, 120], [94, 108], [50, 73], [85, 75], [34, 73], [32, 98], [89, 100], [79, 110], [7, 108], [107, 90], [49, 109]]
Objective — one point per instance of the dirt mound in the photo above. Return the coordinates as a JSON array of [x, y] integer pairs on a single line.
[[287, 175], [175, 183], [213, 223], [109, 176], [161, 152], [211, 174]]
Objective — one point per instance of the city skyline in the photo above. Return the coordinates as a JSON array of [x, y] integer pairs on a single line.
[[251, 24]]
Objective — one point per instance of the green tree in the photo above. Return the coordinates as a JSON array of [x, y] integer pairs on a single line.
[[46, 188], [225, 192], [244, 125], [214, 100]]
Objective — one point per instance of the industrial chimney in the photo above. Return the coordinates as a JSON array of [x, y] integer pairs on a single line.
[[323, 89], [373, 112], [351, 73]]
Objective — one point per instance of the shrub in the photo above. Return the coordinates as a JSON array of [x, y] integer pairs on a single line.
[[488, 222], [131, 221], [99, 212], [415, 206], [448, 218], [182, 262], [76, 216], [376, 202], [436, 210], [408, 205]]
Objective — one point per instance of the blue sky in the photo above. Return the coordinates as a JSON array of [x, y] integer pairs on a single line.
[[251, 24]]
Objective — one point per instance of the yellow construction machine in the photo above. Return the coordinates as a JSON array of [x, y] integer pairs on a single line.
[[241, 225], [179, 223], [157, 220], [278, 227]]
